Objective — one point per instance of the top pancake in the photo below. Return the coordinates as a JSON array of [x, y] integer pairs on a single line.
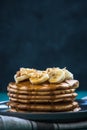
[[27, 86]]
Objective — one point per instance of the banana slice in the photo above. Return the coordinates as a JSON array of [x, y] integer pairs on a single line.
[[56, 75], [68, 74], [26, 71], [39, 77], [23, 74], [20, 78]]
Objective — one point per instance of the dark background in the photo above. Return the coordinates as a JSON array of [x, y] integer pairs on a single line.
[[41, 34]]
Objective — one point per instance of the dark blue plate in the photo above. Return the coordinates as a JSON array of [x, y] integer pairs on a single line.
[[51, 116]]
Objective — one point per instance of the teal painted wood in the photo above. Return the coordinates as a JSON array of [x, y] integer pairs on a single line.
[[3, 96]]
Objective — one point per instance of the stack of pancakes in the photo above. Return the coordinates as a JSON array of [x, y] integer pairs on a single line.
[[27, 96]]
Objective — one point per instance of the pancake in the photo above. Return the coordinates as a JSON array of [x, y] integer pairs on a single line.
[[48, 97], [23, 92], [44, 107], [42, 100], [47, 90], [27, 86], [27, 111]]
